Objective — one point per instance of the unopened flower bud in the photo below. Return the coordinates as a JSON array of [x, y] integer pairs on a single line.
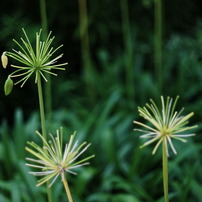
[[8, 86], [4, 60]]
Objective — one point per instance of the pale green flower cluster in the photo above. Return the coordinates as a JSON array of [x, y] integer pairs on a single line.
[[38, 59], [52, 160], [164, 125]]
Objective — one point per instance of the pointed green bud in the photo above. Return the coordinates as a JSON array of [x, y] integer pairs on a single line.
[[8, 86], [4, 60]]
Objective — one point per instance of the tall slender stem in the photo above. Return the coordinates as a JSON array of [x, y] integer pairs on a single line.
[[165, 171], [128, 48], [69, 196], [85, 47], [44, 24], [48, 102], [41, 106], [43, 123], [49, 192], [84, 35], [158, 44]]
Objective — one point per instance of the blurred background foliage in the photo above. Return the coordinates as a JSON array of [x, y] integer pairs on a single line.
[[121, 53]]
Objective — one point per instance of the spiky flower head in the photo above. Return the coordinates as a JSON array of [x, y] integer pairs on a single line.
[[36, 59], [165, 124], [52, 161]]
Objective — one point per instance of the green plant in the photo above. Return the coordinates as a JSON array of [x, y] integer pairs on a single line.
[[167, 124], [36, 61], [53, 162], [39, 61]]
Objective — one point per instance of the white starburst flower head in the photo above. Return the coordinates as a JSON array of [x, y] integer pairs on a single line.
[[36, 59], [164, 125], [52, 161]]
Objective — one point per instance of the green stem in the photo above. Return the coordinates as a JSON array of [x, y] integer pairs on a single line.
[[48, 102], [85, 47], [43, 122], [43, 17], [84, 36], [69, 196], [158, 44], [44, 25], [165, 171], [128, 48], [41, 105], [48, 99], [49, 192]]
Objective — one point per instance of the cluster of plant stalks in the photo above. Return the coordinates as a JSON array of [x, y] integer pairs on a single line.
[[50, 158]]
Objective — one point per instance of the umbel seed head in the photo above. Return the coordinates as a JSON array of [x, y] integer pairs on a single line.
[[39, 58], [53, 160], [164, 124]]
